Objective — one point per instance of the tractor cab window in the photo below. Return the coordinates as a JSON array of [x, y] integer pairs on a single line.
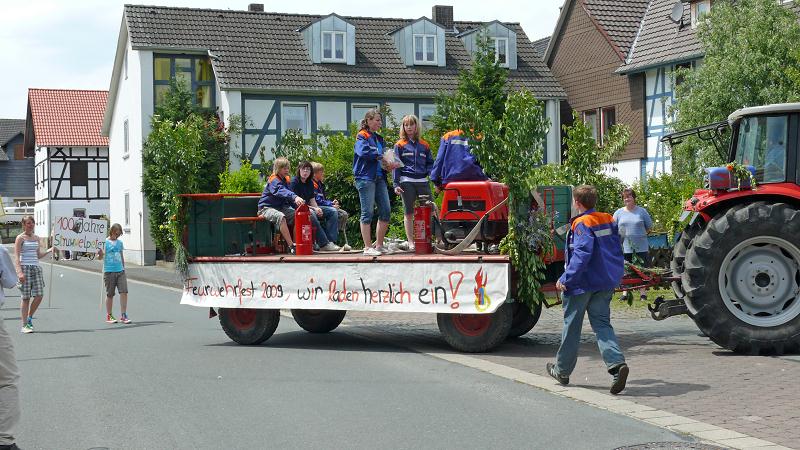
[[762, 144]]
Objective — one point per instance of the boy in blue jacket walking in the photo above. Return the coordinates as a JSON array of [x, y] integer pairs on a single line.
[[593, 269]]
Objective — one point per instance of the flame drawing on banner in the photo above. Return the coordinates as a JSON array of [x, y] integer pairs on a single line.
[[482, 301]]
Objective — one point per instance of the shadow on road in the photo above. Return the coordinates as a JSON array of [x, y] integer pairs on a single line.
[[110, 328], [333, 341], [660, 388], [54, 357]]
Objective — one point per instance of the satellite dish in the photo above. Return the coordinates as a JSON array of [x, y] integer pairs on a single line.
[[677, 13]]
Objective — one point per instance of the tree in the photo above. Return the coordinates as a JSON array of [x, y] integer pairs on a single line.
[[185, 152], [751, 58], [507, 132]]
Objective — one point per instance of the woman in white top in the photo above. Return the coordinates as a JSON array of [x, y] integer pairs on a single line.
[[28, 252]]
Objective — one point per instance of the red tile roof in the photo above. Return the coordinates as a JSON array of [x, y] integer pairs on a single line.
[[67, 117]]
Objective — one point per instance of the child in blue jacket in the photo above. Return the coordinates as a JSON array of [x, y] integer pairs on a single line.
[[455, 161], [370, 181], [593, 269], [411, 180], [277, 200]]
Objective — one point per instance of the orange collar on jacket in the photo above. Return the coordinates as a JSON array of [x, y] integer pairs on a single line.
[[274, 176], [365, 133], [593, 219], [404, 142]]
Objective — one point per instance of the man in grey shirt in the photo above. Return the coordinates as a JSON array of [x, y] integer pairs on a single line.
[[9, 374]]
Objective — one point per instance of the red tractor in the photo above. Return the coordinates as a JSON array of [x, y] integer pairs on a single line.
[[736, 264]]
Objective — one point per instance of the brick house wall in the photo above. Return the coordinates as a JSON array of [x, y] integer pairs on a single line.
[[584, 62]]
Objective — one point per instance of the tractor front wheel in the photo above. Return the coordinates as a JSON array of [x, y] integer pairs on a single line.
[[476, 333], [742, 279]]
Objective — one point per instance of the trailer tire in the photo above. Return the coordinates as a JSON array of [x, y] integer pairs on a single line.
[[249, 326], [476, 333], [523, 320], [742, 276], [318, 320]]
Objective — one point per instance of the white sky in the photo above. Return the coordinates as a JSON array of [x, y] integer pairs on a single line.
[[71, 44]]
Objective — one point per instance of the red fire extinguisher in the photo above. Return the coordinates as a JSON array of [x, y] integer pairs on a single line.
[[422, 226], [303, 234]]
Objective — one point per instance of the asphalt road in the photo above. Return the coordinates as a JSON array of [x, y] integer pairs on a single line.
[[173, 380]]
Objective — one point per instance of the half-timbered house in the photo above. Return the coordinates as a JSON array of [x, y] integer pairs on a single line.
[[70, 156], [291, 71]]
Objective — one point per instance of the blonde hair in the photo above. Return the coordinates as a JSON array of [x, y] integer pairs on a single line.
[[317, 167], [408, 120], [368, 116], [116, 227], [28, 218], [279, 164]]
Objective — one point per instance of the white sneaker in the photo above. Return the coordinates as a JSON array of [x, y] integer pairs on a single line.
[[383, 249], [26, 329], [371, 251], [345, 248], [329, 247]]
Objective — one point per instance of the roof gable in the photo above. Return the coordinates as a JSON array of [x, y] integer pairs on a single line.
[[9, 129], [65, 117], [264, 52], [411, 24], [323, 18]]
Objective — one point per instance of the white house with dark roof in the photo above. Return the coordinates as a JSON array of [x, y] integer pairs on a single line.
[[291, 71]]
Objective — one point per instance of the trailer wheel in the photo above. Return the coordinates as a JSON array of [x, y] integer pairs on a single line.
[[318, 320], [249, 326], [742, 279], [475, 333], [523, 320]]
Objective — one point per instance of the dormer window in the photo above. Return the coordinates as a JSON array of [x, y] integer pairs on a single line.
[[424, 49], [333, 45], [330, 39], [698, 10], [501, 51]]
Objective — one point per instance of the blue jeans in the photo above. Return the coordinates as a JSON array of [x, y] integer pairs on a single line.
[[321, 238], [371, 192], [597, 304], [330, 219]]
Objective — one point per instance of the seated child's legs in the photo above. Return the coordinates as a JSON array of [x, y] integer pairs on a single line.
[[330, 222], [321, 238]]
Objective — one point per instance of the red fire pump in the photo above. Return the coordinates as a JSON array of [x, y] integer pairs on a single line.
[[464, 203]]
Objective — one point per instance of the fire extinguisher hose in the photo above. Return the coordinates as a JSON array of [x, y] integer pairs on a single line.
[[458, 249]]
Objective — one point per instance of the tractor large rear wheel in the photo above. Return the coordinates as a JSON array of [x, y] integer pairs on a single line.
[[742, 279], [682, 245]]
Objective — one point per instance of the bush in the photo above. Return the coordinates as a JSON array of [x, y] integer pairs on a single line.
[[663, 197], [246, 179]]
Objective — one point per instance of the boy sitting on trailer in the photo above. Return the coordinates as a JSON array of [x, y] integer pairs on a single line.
[[277, 200], [455, 161], [324, 203]]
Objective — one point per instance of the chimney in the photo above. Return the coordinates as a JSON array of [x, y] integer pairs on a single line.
[[255, 7], [443, 15]]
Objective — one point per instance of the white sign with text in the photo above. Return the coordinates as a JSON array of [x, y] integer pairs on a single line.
[[438, 287], [79, 234]]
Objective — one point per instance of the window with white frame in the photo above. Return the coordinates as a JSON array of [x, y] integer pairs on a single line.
[[698, 10], [126, 138], [590, 119], [333, 44], [501, 51], [425, 113], [296, 116], [425, 49], [358, 110], [127, 222]]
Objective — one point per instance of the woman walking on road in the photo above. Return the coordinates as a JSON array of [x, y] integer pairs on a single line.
[[27, 254]]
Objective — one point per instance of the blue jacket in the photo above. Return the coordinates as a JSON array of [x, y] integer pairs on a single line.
[[455, 162], [277, 193], [417, 158], [594, 260], [319, 194], [368, 153]]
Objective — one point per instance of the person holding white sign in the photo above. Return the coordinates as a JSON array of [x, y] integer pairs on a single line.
[[28, 253], [114, 277]]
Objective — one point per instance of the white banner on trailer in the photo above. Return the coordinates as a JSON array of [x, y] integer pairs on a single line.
[[437, 287]]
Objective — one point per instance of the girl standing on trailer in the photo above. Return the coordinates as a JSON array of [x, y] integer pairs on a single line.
[[411, 180]]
